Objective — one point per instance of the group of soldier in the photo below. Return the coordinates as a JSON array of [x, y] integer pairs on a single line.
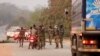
[[38, 38]]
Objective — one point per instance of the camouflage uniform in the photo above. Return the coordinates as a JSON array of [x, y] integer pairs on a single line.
[[50, 33], [61, 33], [41, 37], [56, 36]]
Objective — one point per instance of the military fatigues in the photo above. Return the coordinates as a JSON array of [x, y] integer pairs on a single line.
[[56, 36], [61, 33], [41, 38], [50, 33]]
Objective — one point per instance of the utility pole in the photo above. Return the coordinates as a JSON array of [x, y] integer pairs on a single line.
[[68, 14]]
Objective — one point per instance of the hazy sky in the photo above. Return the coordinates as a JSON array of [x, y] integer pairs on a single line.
[[27, 4]]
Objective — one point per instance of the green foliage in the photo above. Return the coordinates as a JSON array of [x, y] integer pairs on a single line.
[[55, 14], [36, 16]]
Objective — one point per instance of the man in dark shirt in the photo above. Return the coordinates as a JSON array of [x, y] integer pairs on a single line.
[[21, 36], [50, 33], [61, 34], [41, 37], [56, 36]]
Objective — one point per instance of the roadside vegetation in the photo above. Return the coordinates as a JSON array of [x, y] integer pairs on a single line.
[[53, 15]]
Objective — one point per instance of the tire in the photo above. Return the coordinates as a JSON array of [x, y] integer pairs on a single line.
[[82, 54], [73, 54], [78, 54]]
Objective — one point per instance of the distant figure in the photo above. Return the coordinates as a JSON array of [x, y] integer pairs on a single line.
[[44, 30], [50, 33], [21, 36], [61, 34], [56, 36], [41, 37], [30, 38], [34, 33]]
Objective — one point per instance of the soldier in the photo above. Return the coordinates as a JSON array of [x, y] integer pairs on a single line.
[[50, 33], [41, 37], [21, 36], [43, 32], [56, 35], [61, 34]]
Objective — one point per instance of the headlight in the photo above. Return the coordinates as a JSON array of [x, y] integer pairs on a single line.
[[10, 34]]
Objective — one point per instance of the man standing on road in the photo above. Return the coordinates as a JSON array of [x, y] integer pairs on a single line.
[[30, 38], [41, 37], [21, 36], [50, 33], [61, 34], [34, 33], [56, 36]]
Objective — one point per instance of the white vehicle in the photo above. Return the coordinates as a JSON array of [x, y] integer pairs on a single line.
[[12, 32]]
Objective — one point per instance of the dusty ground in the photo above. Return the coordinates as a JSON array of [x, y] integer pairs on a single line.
[[5, 50], [12, 49]]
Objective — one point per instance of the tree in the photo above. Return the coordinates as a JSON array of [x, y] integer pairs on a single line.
[[56, 13]]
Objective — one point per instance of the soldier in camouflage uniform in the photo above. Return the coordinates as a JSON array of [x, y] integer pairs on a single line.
[[41, 37], [50, 33], [56, 36], [61, 34]]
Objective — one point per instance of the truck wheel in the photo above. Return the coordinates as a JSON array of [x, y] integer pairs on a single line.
[[78, 54], [82, 54], [73, 54]]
